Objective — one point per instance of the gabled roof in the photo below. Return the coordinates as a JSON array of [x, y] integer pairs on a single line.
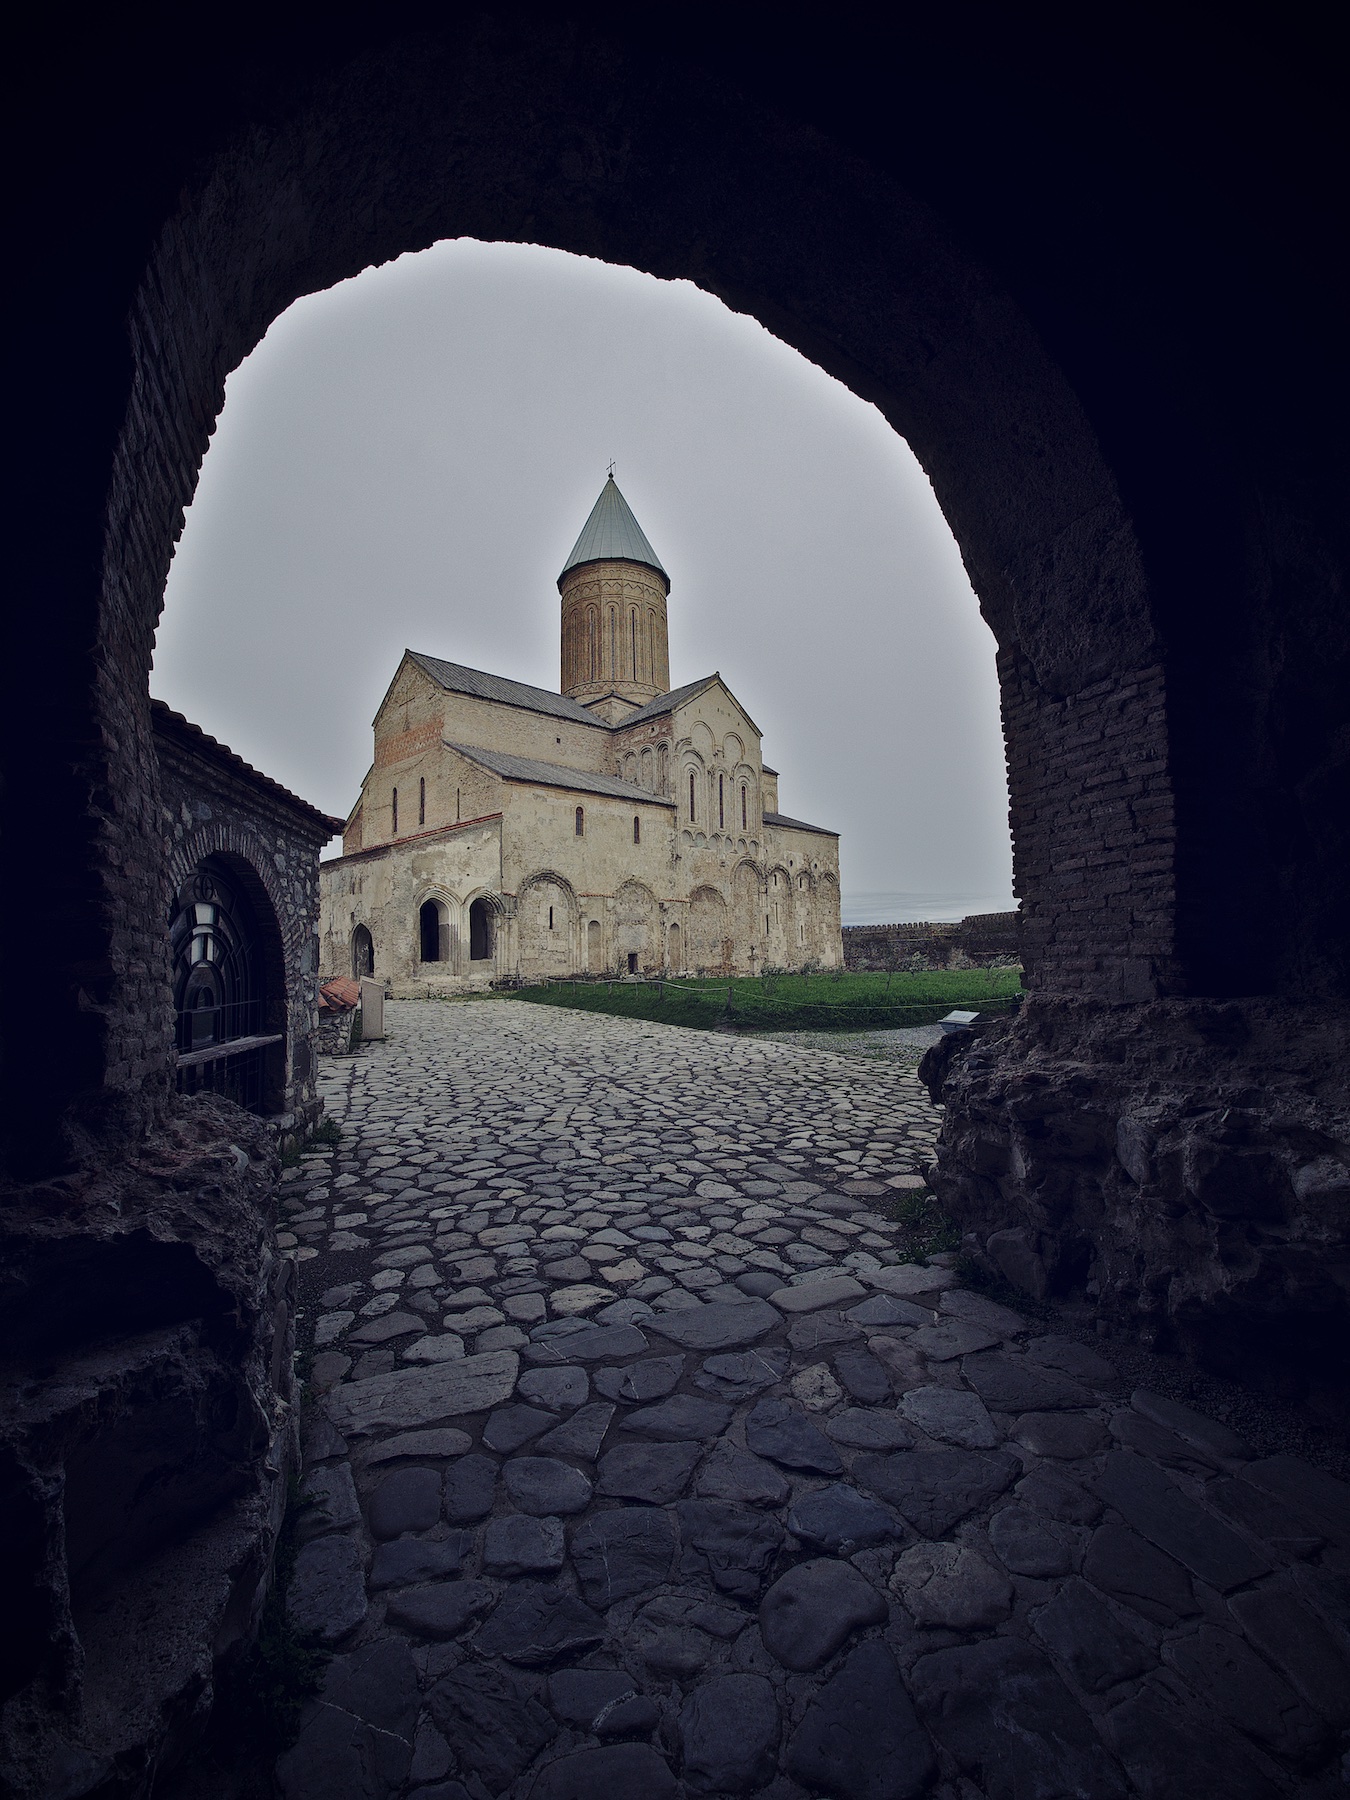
[[460, 680], [785, 824], [666, 703], [172, 727], [613, 534], [546, 774]]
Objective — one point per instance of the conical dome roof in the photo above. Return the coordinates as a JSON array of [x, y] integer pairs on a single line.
[[612, 533]]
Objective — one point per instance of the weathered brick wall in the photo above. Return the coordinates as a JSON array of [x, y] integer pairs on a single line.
[[980, 939]]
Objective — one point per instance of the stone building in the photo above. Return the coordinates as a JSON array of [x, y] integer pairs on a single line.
[[616, 827], [243, 868]]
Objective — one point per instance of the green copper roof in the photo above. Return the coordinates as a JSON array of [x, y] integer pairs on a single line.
[[612, 533]]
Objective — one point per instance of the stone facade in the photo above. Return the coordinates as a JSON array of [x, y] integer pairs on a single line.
[[611, 829], [220, 812]]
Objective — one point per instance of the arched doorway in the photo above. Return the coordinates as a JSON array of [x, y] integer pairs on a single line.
[[482, 931], [363, 952], [594, 954], [229, 1003]]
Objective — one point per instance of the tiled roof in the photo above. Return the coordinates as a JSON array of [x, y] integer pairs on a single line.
[[612, 533], [664, 703], [170, 724], [460, 680], [545, 774], [782, 820]]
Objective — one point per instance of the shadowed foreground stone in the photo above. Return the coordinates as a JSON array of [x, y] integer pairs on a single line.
[[1083, 1632], [1224, 1670], [1159, 1511], [338, 1753], [440, 1609], [860, 1738], [536, 1624], [1013, 1384], [417, 1559], [734, 1474], [809, 1612], [326, 1597], [677, 1420], [935, 1489], [492, 1722], [1287, 1630], [470, 1488], [615, 1772], [1028, 1544], [951, 1585], [1012, 1725], [651, 1379], [1123, 1564], [654, 1473], [407, 1500], [777, 1430], [625, 1551], [1168, 1751], [729, 1542], [728, 1735], [717, 1324], [952, 1415], [406, 1398], [841, 1520], [516, 1544], [543, 1486]]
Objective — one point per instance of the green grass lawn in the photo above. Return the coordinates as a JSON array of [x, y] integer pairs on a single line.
[[844, 1001]]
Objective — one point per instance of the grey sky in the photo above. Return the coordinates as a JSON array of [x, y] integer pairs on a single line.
[[406, 460]]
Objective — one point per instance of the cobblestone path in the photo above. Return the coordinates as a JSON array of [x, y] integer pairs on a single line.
[[644, 1467]]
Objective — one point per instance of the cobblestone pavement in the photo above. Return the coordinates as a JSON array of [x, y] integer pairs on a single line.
[[643, 1467], [905, 1045]]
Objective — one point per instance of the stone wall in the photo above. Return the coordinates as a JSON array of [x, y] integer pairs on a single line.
[[215, 805], [981, 940]]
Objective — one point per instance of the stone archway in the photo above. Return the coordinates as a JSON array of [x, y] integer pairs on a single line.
[[1172, 646]]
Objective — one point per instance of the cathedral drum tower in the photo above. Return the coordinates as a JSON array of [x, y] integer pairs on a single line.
[[614, 639]]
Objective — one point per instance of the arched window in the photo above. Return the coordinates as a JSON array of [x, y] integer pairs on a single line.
[[363, 952], [637, 829], [613, 644], [591, 637], [480, 932], [429, 931], [743, 825], [691, 796], [633, 624], [422, 800], [393, 811], [228, 988], [581, 821], [721, 803], [550, 918]]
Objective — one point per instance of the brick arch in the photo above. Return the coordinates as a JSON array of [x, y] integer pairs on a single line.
[[220, 838], [432, 149], [282, 932]]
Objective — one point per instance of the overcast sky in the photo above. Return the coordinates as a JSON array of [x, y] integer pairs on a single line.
[[406, 460]]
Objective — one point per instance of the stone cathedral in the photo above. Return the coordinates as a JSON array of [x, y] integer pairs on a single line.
[[619, 827]]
